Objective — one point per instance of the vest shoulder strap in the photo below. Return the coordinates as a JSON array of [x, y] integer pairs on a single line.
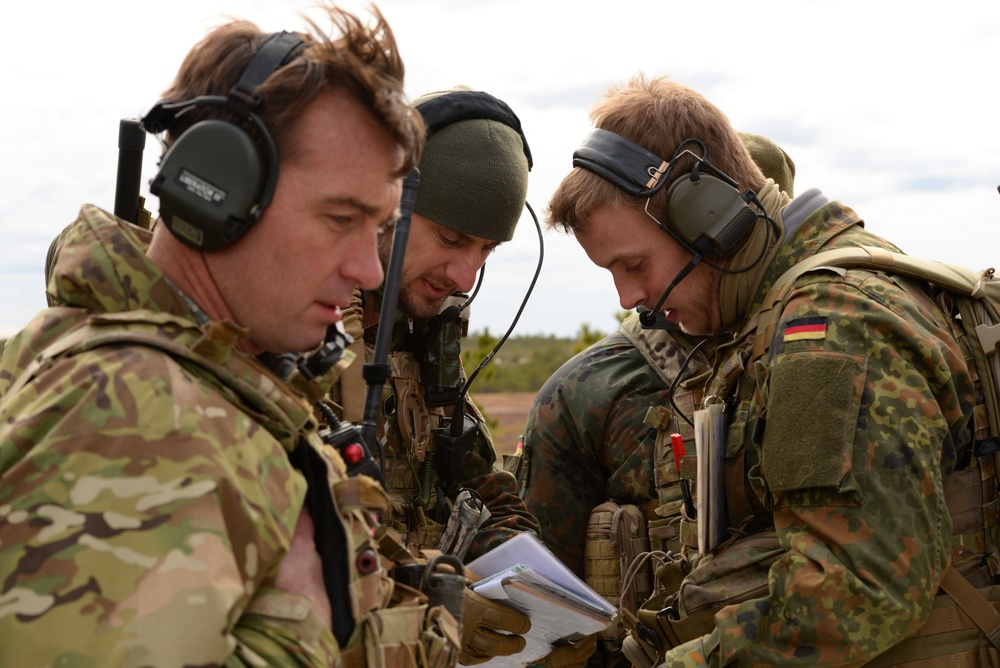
[[977, 296]]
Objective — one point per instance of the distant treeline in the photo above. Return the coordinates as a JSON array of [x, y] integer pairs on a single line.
[[523, 363]]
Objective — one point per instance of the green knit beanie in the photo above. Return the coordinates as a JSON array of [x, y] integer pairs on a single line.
[[772, 160], [473, 176]]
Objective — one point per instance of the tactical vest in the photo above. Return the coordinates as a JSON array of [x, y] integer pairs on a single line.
[[626, 544], [964, 626], [420, 505], [391, 625]]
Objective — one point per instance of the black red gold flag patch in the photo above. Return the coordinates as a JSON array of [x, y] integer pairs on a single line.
[[802, 329]]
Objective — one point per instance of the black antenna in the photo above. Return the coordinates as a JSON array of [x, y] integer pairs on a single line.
[[377, 372], [131, 144]]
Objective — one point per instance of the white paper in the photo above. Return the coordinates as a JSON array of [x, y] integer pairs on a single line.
[[526, 549], [526, 576], [709, 439]]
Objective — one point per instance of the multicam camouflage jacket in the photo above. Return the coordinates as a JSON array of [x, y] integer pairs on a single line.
[[410, 429], [589, 437], [146, 491], [841, 439]]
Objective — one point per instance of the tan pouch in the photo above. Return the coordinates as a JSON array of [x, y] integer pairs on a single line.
[[948, 639], [409, 634], [616, 535], [736, 573]]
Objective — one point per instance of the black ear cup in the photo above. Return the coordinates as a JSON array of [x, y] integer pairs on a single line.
[[705, 210], [209, 185], [709, 215], [218, 176]]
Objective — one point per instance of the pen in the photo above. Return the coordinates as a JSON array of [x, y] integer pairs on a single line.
[[677, 443]]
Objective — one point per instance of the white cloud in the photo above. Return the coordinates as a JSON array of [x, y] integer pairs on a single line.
[[887, 106]]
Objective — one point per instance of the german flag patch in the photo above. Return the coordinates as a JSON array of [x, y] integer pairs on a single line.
[[804, 329]]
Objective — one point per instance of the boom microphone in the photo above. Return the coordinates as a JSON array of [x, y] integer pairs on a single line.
[[648, 318], [451, 312]]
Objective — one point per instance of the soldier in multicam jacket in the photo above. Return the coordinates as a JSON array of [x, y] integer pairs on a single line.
[[472, 190], [841, 429], [165, 498]]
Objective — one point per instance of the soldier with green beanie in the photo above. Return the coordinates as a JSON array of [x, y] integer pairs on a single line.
[[598, 437], [472, 190]]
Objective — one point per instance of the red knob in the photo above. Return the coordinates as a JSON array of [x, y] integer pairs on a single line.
[[353, 453]]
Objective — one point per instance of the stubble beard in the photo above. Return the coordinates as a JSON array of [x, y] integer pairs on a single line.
[[417, 308], [710, 319], [405, 301]]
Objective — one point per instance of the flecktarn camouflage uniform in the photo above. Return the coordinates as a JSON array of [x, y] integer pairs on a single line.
[[841, 439], [598, 469], [589, 437], [146, 491]]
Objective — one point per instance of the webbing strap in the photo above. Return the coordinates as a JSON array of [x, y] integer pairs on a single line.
[[986, 617], [951, 277], [354, 657]]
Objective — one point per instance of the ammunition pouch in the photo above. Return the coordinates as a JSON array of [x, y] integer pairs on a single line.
[[616, 536], [686, 606], [410, 633], [417, 628]]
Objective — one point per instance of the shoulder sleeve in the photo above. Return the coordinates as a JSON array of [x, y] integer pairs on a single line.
[[866, 396], [140, 514]]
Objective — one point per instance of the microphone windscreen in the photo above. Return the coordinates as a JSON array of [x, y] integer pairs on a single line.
[[449, 314], [647, 319]]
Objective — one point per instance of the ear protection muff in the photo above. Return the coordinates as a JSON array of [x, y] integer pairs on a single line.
[[709, 214], [466, 105], [217, 178], [706, 213]]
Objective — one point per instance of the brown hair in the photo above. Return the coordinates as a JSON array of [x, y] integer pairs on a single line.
[[363, 62], [658, 115]]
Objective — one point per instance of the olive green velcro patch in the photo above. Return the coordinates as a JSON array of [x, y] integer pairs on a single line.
[[812, 415]]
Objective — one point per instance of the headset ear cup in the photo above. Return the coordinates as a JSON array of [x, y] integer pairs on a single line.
[[708, 214], [209, 184]]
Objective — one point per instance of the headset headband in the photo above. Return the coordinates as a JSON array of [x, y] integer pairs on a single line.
[[275, 51], [622, 162], [466, 105]]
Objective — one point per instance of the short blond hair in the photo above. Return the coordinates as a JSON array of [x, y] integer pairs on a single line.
[[657, 114]]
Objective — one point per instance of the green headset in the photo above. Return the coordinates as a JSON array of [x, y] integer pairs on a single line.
[[706, 212], [217, 178]]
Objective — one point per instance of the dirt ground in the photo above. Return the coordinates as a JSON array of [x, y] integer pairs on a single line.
[[509, 410]]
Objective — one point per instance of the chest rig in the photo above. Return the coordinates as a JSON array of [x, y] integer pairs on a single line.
[[424, 458], [963, 626], [669, 527], [358, 586]]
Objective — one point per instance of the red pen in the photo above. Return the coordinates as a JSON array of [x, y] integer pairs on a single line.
[[677, 441]]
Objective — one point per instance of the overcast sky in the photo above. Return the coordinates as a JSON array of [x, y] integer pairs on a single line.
[[890, 107]]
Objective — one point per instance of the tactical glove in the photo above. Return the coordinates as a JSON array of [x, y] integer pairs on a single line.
[[490, 629], [571, 655]]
